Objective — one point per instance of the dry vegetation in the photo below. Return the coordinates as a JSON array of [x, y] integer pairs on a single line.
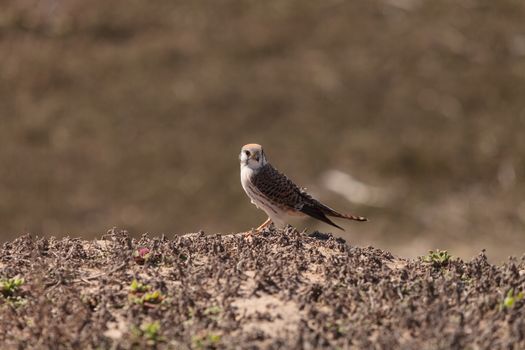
[[278, 289]]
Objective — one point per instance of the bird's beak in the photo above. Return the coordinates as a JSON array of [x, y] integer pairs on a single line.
[[254, 156]]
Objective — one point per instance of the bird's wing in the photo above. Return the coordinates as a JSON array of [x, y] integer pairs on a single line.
[[281, 191], [277, 187]]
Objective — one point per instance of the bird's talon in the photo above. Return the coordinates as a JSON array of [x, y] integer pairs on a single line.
[[249, 233]]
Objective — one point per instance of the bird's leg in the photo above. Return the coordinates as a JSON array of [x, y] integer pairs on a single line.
[[258, 229], [264, 225]]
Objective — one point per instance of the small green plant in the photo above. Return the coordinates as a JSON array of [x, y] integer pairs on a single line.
[[139, 293], [213, 310], [465, 278], [152, 297], [137, 287], [510, 299], [149, 331], [214, 338], [10, 286], [206, 340], [438, 257], [10, 290]]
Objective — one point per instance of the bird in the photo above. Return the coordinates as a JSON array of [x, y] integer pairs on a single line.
[[277, 195]]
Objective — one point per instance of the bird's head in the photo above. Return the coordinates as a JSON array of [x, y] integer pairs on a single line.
[[252, 156]]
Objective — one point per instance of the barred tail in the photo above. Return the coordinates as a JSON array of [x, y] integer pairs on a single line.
[[351, 217], [321, 212], [330, 212]]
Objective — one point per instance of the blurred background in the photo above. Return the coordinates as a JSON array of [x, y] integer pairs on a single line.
[[132, 114]]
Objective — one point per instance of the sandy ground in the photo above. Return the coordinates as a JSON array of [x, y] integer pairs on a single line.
[[277, 289]]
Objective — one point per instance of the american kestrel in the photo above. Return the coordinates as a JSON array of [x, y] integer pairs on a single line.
[[277, 195]]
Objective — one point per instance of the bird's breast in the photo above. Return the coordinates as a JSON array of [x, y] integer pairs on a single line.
[[246, 175]]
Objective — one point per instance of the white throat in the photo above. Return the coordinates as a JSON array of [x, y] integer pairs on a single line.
[[246, 174]]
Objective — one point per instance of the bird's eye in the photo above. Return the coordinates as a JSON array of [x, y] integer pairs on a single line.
[[247, 153]]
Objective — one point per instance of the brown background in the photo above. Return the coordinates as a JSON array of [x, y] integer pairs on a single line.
[[132, 114]]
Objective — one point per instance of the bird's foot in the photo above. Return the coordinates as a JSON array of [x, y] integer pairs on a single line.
[[263, 225], [258, 230]]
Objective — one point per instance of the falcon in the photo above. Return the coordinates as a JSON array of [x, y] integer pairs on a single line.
[[275, 194]]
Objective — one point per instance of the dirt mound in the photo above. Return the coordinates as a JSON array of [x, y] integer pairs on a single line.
[[273, 290]]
